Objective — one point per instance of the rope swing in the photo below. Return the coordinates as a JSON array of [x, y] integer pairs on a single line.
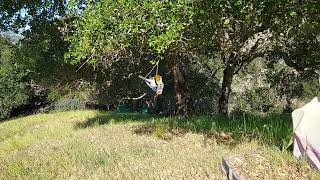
[[155, 82]]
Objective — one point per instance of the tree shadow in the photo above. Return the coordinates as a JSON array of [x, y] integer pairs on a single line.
[[114, 117], [272, 130]]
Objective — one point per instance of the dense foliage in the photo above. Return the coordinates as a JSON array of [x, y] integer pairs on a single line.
[[14, 81], [216, 56]]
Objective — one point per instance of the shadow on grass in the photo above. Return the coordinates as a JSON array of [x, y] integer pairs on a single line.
[[113, 117], [275, 130]]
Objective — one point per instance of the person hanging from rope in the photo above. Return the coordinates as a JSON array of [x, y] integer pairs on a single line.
[[151, 83], [155, 83], [160, 85]]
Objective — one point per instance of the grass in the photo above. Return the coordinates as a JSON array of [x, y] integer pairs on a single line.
[[105, 145], [273, 130]]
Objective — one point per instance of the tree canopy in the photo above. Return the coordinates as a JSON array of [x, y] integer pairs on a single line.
[[108, 43], [109, 29]]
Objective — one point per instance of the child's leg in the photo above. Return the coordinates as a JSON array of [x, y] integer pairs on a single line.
[[160, 88]]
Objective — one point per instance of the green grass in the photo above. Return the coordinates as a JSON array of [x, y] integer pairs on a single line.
[[105, 145], [273, 130]]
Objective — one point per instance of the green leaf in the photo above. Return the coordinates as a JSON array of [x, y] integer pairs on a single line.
[[153, 62], [293, 13], [238, 3]]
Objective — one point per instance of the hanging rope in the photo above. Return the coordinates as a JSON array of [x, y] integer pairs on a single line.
[[144, 78], [155, 83], [156, 65]]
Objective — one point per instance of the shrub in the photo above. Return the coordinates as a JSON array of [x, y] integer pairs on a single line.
[[14, 80], [68, 104]]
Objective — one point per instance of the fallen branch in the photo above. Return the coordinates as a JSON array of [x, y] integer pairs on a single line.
[[137, 98]]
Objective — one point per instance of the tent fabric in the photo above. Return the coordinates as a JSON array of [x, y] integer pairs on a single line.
[[306, 125]]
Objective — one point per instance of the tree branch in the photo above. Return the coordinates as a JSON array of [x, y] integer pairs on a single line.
[[257, 44], [240, 67]]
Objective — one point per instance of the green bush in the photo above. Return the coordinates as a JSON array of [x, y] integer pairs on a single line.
[[14, 82], [54, 95], [281, 88], [72, 100], [65, 98]]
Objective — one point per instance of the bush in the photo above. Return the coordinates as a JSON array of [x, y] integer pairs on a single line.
[[69, 104], [54, 95], [13, 92], [259, 88], [14, 80]]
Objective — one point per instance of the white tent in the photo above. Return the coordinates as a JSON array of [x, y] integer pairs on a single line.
[[306, 125]]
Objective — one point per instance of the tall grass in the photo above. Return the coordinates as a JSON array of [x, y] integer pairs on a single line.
[[272, 130]]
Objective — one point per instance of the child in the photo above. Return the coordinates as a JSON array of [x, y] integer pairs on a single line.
[[159, 83], [151, 83], [155, 83]]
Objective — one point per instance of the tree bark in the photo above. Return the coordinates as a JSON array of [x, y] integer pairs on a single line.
[[226, 89], [181, 91]]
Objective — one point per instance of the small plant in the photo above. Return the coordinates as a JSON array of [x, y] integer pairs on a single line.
[[54, 95], [160, 130]]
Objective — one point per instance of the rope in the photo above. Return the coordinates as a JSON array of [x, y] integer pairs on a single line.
[[156, 65], [150, 71], [84, 63]]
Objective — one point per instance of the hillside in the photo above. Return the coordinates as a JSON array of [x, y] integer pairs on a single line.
[[97, 145]]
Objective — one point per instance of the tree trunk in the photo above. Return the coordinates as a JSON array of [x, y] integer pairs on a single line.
[[226, 89], [151, 104], [181, 91]]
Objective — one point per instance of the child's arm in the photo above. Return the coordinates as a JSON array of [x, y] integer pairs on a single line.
[[143, 78], [147, 80]]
